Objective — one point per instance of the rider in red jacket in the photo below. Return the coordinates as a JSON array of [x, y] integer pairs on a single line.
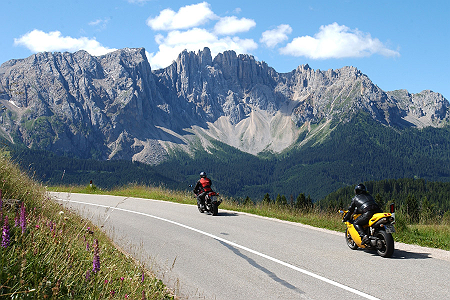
[[202, 187]]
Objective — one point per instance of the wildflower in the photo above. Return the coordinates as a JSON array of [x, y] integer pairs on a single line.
[[1, 206], [126, 296], [88, 275], [122, 278], [106, 281], [142, 277], [96, 261], [5, 234], [23, 218], [112, 292]]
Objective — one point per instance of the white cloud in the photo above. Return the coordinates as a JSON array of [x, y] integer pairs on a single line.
[[99, 23], [185, 33], [273, 37], [335, 41], [193, 40], [96, 22], [193, 36], [39, 41], [233, 25], [187, 17], [137, 1]]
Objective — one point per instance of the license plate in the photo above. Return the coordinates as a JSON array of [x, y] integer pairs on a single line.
[[389, 228]]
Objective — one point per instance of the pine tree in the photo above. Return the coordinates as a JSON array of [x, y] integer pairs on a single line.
[[379, 200], [266, 200], [426, 211], [278, 201], [412, 208], [301, 201], [248, 201]]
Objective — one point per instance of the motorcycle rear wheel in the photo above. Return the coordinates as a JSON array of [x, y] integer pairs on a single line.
[[385, 243], [350, 242], [214, 208]]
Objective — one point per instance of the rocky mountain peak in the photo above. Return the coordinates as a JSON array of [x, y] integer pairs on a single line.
[[115, 107]]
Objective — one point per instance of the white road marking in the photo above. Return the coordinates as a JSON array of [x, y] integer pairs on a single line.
[[329, 281]]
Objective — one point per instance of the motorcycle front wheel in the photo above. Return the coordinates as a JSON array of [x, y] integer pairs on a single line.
[[385, 243], [350, 242], [199, 207]]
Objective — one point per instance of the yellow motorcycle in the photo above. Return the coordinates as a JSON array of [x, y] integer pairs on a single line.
[[379, 231]]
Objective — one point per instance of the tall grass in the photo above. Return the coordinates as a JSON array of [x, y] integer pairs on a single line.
[[49, 252], [434, 232]]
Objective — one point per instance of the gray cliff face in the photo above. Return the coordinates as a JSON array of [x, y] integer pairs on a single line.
[[115, 107], [79, 104]]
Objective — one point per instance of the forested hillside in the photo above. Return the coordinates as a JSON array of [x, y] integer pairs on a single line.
[[417, 199], [360, 150], [52, 169], [357, 151]]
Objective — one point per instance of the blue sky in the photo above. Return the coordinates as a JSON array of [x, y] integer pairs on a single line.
[[398, 44]]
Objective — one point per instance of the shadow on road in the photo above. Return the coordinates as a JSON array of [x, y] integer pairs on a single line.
[[402, 254], [253, 263], [227, 214]]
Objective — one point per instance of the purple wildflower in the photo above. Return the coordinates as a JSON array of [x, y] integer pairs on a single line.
[[142, 277], [96, 261], [88, 275], [23, 218], [5, 234], [1, 206]]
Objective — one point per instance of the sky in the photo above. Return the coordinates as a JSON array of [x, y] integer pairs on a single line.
[[397, 44]]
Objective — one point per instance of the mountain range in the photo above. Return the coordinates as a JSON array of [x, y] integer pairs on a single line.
[[115, 107]]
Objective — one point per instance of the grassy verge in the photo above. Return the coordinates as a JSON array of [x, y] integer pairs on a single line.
[[49, 252], [430, 235]]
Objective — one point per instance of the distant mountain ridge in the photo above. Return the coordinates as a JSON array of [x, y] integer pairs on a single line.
[[115, 107]]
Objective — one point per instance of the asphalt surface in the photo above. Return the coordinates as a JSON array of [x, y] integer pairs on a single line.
[[242, 256]]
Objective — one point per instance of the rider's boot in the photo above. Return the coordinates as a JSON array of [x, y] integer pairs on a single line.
[[202, 204], [364, 238]]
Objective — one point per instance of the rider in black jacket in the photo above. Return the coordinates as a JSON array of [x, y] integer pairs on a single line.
[[364, 204]]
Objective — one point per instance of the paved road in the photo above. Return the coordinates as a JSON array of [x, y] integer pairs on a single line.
[[241, 256]]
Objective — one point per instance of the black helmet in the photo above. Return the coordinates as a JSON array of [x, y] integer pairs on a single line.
[[202, 174], [359, 189]]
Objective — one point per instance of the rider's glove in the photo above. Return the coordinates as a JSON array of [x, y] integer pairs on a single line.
[[346, 217]]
